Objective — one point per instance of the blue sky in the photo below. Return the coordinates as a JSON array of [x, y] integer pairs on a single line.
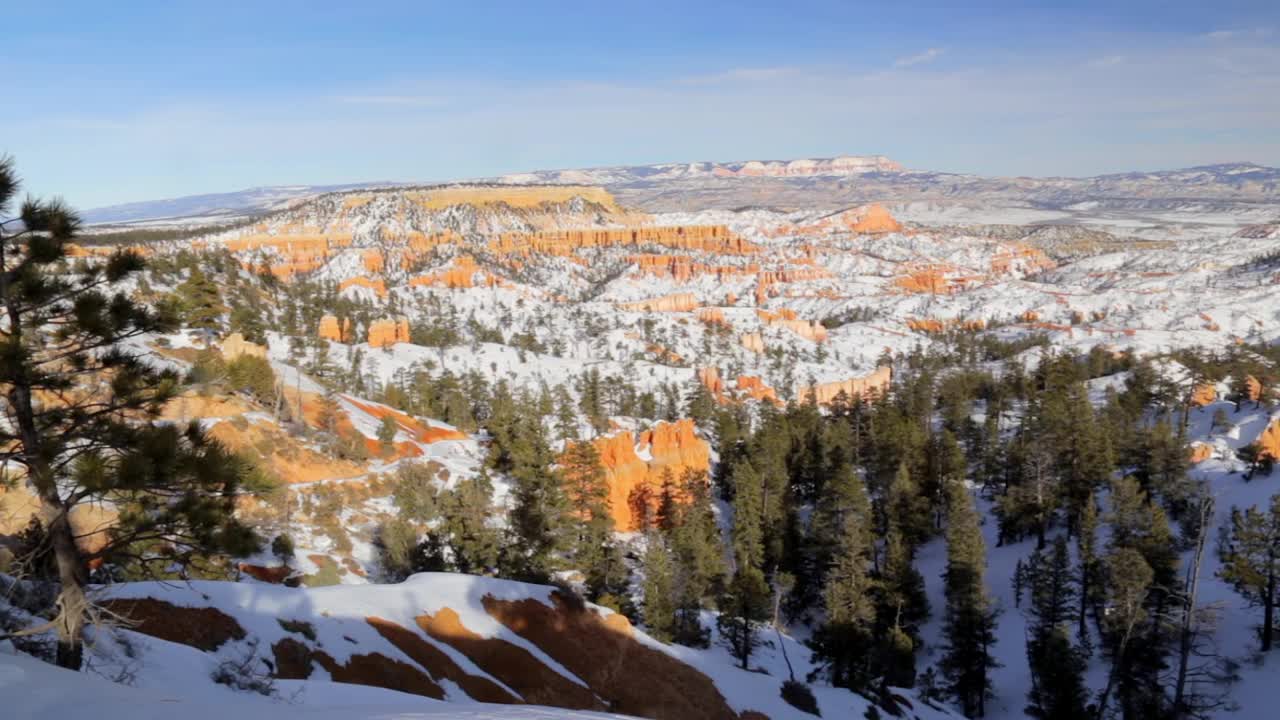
[[114, 102]]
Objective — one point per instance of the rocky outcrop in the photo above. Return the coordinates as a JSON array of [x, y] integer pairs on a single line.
[[511, 664], [673, 447], [632, 678], [934, 325], [682, 268], [679, 302], [872, 219], [385, 333], [806, 329], [753, 342], [1269, 440], [331, 329], [746, 386], [867, 386], [1199, 452], [711, 316], [235, 345], [923, 281], [204, 628], [755, 388], [460, 275], [1253, 388], [1204, 394], [786, 318], [376, 285], [703, 238]]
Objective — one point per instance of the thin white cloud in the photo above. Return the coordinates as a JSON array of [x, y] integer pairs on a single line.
[[738, 75], [1256, 33], [919, 58], [397, 100], [1107, 61]]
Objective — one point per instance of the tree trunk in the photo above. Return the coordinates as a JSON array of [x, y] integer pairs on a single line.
[[1268, 611], [73, 577], [1187, 631]]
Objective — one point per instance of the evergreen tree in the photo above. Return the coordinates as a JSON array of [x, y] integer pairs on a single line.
[[745, 602], [66, 337], [586, 493], [699, 559], [659, 589], [1250, 556], [970, 619], [845, 642], [1057, 669], [536, 520], [466, 514], [201, 301]]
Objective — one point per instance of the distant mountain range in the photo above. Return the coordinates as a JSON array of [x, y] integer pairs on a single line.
[[833, 182]]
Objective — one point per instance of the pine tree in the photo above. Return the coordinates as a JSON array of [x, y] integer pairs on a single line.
[[970, 619], [387, 430], [1250, 556], [536, 520], [1129, 580], [1057, 668], [699, 559], [466, 513], [745, 602], [845, 642], [66, 336], [659, 589], [201, 301], [586, 493]]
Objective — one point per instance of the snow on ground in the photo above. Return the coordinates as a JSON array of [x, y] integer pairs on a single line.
[[34, 690], [1236, 635]]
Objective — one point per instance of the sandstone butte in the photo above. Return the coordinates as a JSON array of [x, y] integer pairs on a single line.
[[765, 280], [711, 316], [235, 345], [749, 385], [679, 302], [330, 329], [460, 275], [376, 285], [385, 333], [1253, 388], [753, 342], [1269, 440], [933, 325], [1200, 452], [670, 446], [867, 386], [871, 219], [1204, 394], [706, 238], [683, 268], [786, 318], [924, 281]]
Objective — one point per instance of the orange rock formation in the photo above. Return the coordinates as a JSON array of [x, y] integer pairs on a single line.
[[385, 333], [1269, 440], [711, 316], [1200, 452], [753, 342], [867, 386], [235, 345], [670, 446], [706, 238], [376, 285], [1204, 394], [679, 302], [462, 274], [331, 330]]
